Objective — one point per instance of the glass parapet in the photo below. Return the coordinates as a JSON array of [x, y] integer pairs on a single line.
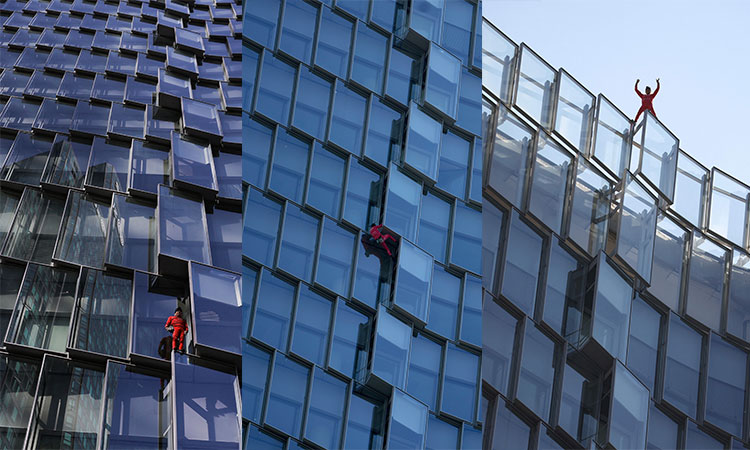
[[691, 186], [612, 137], [551, 169], [574, 112], [658, 155], [498, 56], [669, 256], [534, 89], [511, 147], [729, 205]]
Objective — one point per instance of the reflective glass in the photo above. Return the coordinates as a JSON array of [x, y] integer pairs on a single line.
[[347, 119], [358, 8], [575, 107], [669, 250], [255, 363], [564, 285], [578, 404], [725, 388], [390, 357], [289, 166], [466, 245], [454, 164], [426, 18], [298, 241], [612, 310], [275, 85], [537, 371], [522, 261], [332, 53], [442, 435], [729, 202], [83, 231], [738, 316], [402, 209], [286, 398], [383, 133], [365, 427], [443, 79], [216, 307], [368, 64], [273, 310], [34, 231], [228, 168], [351, 335], [444, 298], [193, 165], [313, 318], [434, 222], [109, 165], [682, 372], [706, 281], [250, 59], [225, 236], [424, 370], [534, 90], [408, 423], [54, 116], [298, 29], [182, 227], [325, 418], [26, 159], [460, 383], [509, 432], [160, 123], [456, 37], [19, 386], [510, 153], [612, 133], [498, 337], [258, 139], [659, 156], [402, 76], [698, 439], [690, 187], [471, 315], [629, 416], [663, 432], [42, 84], [326, 181], [643, 344], [492, 230], [260, 230], [589, 210], [201, 118], [154, 300], [12, 276], [362, 202], [311, 104], [108, 89], [469, 102], [422, 142], [335, 259], [413, 279], [549, 186], [635, 241], [372, 279]]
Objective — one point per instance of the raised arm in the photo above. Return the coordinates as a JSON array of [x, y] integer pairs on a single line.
[[657, 87], [636, 88]]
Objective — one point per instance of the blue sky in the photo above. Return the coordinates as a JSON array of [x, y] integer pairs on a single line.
[[699, 49]]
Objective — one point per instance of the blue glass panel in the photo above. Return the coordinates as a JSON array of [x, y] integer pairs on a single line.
[[384, 13], [287, 395], [362, 196], [424, 370], [552, 165], [335, 259], [612, 310], [492, 230], [537, 371], [589, 210], [511, 144], [109, 165], [313, 318], [357, 8], [259, 23], [725, 388], [228, 168], [326, 181], [738, 315], [225, 234], [498, 332], [563, 270], [459, 15], [635, 242], [311, 104], [706, 281], [669, 249], [422, 142], [522, 260], [365, 427], [663, 432], [275, 88], [446, 290], [297, 251], [249, 72], [682, 372], [434, 220], [579, 404], [131, 240], [26, 159], [149, 167], [442, 435], [629, 413], [471, 438], [402, 209], [289, 166], [182, 227], [351, 334], [347, 119], [408, 423], [509, 432], [333, 45], [152, 304], [298, 29], [471, 316], [391, 349], [370, 52], [460, 383], [325, 419], [454, 164], [443, 78], [466, 246], [259, 440], [261, 228], [216, 306], [413, 279], [644, 342], [383, 133], [426, 17], [257, 139], [402, 75], [249, 281], [371, 279], [273, 310]]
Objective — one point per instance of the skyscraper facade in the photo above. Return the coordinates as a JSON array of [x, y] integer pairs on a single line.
[[360, 113], [120, 200], [616, 310]]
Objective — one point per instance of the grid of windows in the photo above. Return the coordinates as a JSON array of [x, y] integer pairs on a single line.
[[615, 271], [357, 113], [120, 200]]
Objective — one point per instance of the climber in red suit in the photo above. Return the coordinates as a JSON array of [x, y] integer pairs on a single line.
[[381, 238], [178, 327], [646, 99]]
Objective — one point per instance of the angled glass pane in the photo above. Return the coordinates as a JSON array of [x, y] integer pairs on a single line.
[[34, 231], [422, 151], [537, 371], [509, 432], [182, 227], [12, 276], [403, 200], [298, 241], [725, 388], [391, 349], [44, 308], [493, 220], [690, 186], [434, 222], [444, 298], [334, 39], [193, 165], [313, 318], [669, 251], [453, 167], [216, 306], [372, 278], [683, 365], [635, 240], [298, 29], [275, 84], [260, 227], [335, 259], [67, 162], [311, 104], [109, 165], [578, 404], [469, 100], [706, 281], [225, 236], [498, 337], [466, 245], [154, 300], [255, 364], [250, 59], [498, 54], [351, 336], [564, 287], [408, 424], [368, 64], [19, 380], [383, 132], [663, 432], [257, 140], [365, 427], [357, 8], [289, 166], [363, 198], [325, 418], [575, 111], [589, 211], [413, 279], [228, 167], [443, 79], [57, 116], [441, 434], [26, 159], [8, 202], [511, 147], [534, 90], [403, 75], [424, 370], [698, 439], [83, 231], [456, 37], [347, 119], [549, 185], [259, 24], [19, 114], [426, 18], [611, 146], [612, 309], [522, 262], [643, 344], [460, 383], [738, 315], [659, 156], [273, 310], [729, 203], [201, 118], [326, 181], [629, 414], [286, 398], [471, 314]]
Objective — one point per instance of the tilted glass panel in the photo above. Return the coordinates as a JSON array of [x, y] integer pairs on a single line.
[[351, 336], [535, 90], [298, 241], [698, 439], [469, 102], [690, 185], [552, 166], [149, 167], [311, 326], [612, 310], [611, 146], [629, 416], [370, 53], [663, 432], [216, 306], [34, 231], [326, 181], [259, 24], [575, 108], [725, 388], [383, 132], [255, 364], [444, 302], [347, 119], [365, 427], [325, 418], [127, 121], [228, 167], [286, 398], [255, 154], [498, 338], [426, 17], [453, 167], [706, 281], [67, 406], [298, 29], [669, 251], [589, 211], [250, 282], [311, 105], [261, 228], [103, 313], [635, 240], [83, 231], [8, 203], [442, 435], [18, 379], [434, 224], [522, 262], [443, 79], [335, 258], [383, 13], [460, 383], [207, 403], [659, 156], [273, 310], [200, 118], [182, 227], [372, 279], [26, 159], [19, 114], [12, 276], [564, 287], [275, 85], [509, 432], [511, 146], [57, 116], [391, 349], [729, 203], [402, 76], [250, 59], [413, 279], [738, 315], [578, 404], [643, 345], [334, 40], [129, 398], [537, 371], [289, 166], [408, 424], [422, 151], [109, 165], [466, 245], [498, 54], [403, 200], [363, 198], [154, 300], [456, 38], [493, 219], [193, 165], [424, 370], [683, 365], [471, 314]]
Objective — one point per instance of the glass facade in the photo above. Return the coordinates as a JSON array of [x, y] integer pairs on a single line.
[[615, 273], [360, 112], [120, 201]]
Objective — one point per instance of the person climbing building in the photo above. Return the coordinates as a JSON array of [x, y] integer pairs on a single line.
[[178, 327], [646, 99], [381, 238]]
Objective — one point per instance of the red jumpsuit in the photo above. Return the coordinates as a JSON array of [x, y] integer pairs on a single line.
[[381, 238], [646, 100], [180, 328]]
